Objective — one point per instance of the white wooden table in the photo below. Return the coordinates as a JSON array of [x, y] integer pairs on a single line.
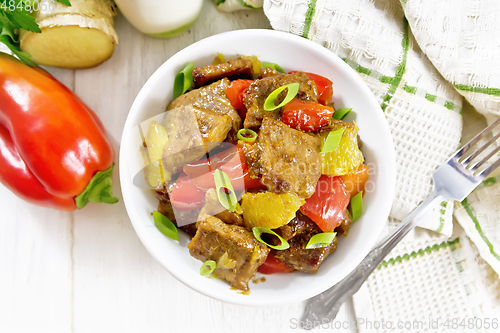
[[87, 271]]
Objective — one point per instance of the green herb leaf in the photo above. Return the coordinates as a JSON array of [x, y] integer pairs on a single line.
[[208, 267], [293, 89], [258, 231], [223, 183], [246, 135], [341, 113], [66, 2], [332, 141], [165, 226], [321, 240], [183, 80], [273, 66], [357, 206]]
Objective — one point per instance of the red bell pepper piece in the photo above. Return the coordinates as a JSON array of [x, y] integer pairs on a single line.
[[327, 206], [231, 161], [235, 93], [324, 86], [274, 265], [306, 115], [185, 195], [61, 142]]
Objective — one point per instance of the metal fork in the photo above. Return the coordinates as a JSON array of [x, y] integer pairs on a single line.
[[455, 179]]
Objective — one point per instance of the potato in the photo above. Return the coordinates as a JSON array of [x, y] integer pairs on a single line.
[[76, 36]]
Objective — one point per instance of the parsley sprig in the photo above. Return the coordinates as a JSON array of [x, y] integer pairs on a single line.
[[15, 15]]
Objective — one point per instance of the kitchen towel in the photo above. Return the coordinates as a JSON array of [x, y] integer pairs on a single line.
[[424, 61]]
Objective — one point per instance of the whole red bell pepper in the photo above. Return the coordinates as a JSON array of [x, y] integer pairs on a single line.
[[54, 150]]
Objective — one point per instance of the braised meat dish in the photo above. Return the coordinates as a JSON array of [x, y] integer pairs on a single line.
[[258, 168]]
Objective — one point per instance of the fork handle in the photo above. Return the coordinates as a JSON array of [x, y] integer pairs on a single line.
[[324, 307]]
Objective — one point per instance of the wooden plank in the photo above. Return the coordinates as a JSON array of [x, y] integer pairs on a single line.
[[35, 262]]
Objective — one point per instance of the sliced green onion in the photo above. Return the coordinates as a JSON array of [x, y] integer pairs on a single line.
[[222, 182], [183, 80], [246, 135], [165, 226], [293, 89], [321, 240], [332, 141], [341, 113], [208, 267], [258, 231], [276, 67], [357, 206]]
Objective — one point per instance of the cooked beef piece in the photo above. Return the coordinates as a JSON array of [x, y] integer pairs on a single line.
[[288, 160], [297, 225], [213, 207], [297, 256], [192, 132], [258, 91], [251, 153], [213, 127], [241, 68], [343, 228], [165, 207], [185, 141], [269, 72], [211, 97], [237, 253]]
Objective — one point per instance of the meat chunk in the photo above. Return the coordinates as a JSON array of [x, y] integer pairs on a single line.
[[237, 253], [269, 72], [185, 141], [258, 91], [192, 133], [343, 228], [288, 160], [211, 97], [213, 127], [233, 69], [213, 207], [297, 256]]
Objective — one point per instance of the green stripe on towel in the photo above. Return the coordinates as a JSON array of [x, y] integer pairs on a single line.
[[472, 215], [432, 98], [485, 90], [442, 216], [414, 254], [308, 20], [401, 69]]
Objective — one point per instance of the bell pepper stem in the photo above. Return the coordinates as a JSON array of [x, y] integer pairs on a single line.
[[98, 190]]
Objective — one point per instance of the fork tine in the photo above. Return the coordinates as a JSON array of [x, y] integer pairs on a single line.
[[485, 159], [478, 137], [481, 149], [490, 169]]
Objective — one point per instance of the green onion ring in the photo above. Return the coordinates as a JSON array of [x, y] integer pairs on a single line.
[[258, 231], [341, 113], [357, 206], [293, 89], [222, 181], [183, 80], [165, 226], [274, 66], [208, 267], [321, 240], [245, 131], [332, 141]]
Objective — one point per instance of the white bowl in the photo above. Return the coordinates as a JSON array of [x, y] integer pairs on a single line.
[[291, 53]]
